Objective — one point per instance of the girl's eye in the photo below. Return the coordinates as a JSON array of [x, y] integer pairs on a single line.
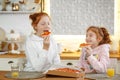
[[45, 23], [42, 23], [48, 23], [90, 35]]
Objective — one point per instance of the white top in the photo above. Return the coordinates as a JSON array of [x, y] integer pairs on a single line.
[[39, 59]]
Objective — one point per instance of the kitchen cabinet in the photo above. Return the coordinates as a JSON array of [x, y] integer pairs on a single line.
[[69, 59], [69, 62], [23, 6], [21, 61], [16, 12], [7, 67]]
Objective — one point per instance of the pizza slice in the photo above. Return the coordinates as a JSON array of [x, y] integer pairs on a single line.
[[84, 45], [68, 70], [46, 32]]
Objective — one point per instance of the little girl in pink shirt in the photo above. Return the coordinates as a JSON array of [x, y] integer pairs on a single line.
[[95, 57]]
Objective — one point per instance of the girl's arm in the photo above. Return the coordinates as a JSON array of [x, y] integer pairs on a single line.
[[100, 65], [37, 60], [57, 53], [80, 61]]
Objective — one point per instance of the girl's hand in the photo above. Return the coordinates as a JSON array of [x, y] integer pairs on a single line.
[[88, 50], [83, 69], [46, 42]]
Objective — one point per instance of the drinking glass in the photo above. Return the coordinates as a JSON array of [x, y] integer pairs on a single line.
[[110, 72], [15, 70]]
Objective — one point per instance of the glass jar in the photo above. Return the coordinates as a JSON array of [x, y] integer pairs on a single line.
[[9, 7]]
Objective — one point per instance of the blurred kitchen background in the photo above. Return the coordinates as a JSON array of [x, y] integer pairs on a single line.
[[70, 19]]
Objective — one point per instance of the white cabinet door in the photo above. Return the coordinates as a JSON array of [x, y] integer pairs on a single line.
[[118, 67], [69, 62], [7, 67]]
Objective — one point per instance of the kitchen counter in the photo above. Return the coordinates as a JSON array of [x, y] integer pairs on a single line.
[[12, 55], [64, 56], [76, 55], [71, 56]]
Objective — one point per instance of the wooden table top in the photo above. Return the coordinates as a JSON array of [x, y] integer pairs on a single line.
[[90, 77], [2, 77]]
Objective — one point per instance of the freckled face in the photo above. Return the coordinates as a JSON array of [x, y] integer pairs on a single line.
[[43, 24], [91, 38]]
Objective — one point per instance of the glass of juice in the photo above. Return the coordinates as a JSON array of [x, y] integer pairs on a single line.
[[14, 70], [110, 72]]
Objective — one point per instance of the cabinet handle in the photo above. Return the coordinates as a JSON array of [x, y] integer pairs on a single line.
[[69, 63], [9, 62]]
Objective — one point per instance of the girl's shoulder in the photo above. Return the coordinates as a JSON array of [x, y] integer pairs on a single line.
[[34, 37], [104, 46], [101, 48]]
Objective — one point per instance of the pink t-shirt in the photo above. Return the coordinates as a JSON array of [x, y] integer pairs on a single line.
[[98, 61]]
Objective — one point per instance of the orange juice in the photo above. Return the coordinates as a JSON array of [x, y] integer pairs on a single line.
[[110, 72], [15, 74]]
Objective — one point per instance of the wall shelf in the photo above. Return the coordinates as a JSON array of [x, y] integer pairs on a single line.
[[16, 12], [27, 7]]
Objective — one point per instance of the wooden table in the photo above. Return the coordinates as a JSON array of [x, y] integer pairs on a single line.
[[2, 77], [103, 77], [92, 76]]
